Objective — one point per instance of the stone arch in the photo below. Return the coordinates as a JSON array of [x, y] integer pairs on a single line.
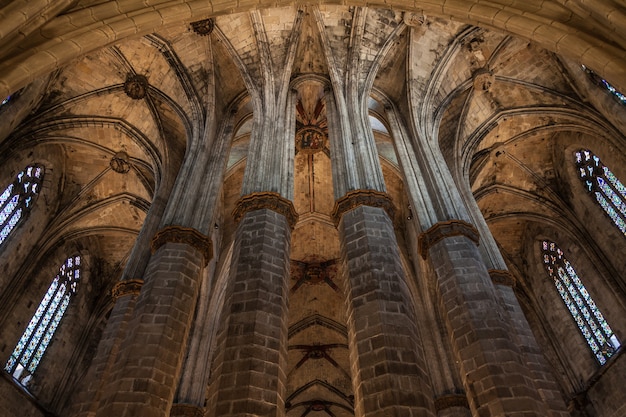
[[547, 27]]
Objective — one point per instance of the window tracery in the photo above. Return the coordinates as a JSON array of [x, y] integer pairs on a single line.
[[18, 198], [40, 330], [608, 191], [583, 309]]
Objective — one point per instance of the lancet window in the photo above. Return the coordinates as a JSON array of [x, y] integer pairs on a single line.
[[584, 311], [42, 326], [608, 191], [18, 198]]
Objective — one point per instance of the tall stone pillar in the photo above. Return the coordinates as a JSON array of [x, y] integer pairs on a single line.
[[495, 376], [124, 295], [388, 368], [147, 368], [251, 360], [534, 359], [249, 376], [87, 400], [146, 371], [497, 381]]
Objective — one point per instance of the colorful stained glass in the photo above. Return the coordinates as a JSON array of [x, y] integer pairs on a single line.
[[18, 198], [40, 330], [583, 309], [609, 192]]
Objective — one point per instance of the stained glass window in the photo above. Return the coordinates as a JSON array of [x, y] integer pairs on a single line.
[[586, 314], [604, 83], [40, 330], [18, 198], [599, 181]]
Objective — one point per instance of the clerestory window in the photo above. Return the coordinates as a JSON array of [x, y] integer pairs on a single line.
[[583, 309], [607, 190], [18, 198], [42, 326]]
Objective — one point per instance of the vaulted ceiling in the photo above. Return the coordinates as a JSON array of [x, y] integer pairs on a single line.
[[114, 125]]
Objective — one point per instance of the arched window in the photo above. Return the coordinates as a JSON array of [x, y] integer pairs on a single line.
[[18, 198], [40, 330], [608, 191], [590, 321]]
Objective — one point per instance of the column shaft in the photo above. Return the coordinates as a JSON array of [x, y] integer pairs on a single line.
[[533, 358], [149, 363], [496, 380], [87, 400], [252, 353], [388, 367]]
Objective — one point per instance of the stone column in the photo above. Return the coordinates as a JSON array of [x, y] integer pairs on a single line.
[[146, 372], [546, 385], [496, 380], [252, 355], [124, 295], [388, 369]]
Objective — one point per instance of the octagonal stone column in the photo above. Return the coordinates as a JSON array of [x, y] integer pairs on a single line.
[[388, 369], [250, 365], [496, 379], [146, 371]]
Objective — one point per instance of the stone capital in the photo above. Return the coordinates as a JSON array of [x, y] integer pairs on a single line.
[[186, 410], [443, 230], [356, 198], [186, 235], [502, 277], [266, 200], [451, 400], [126, 287]]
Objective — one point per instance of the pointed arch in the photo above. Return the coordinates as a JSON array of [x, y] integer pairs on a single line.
[[18, 198], [40, 330], [599, 181], [590, 321]]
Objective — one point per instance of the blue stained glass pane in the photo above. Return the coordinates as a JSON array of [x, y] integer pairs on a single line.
[[615, 182], [43, 324], [40, 331], [612, 196], [41, 349], [8, 209], [10, 364], [579, 157], [577, 318], [608, 208], [18, 196], [610, 192], [6, 194], [581, 306], [6, 230]]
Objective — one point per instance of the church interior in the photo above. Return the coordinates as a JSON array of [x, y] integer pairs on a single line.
[[312, 208]]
